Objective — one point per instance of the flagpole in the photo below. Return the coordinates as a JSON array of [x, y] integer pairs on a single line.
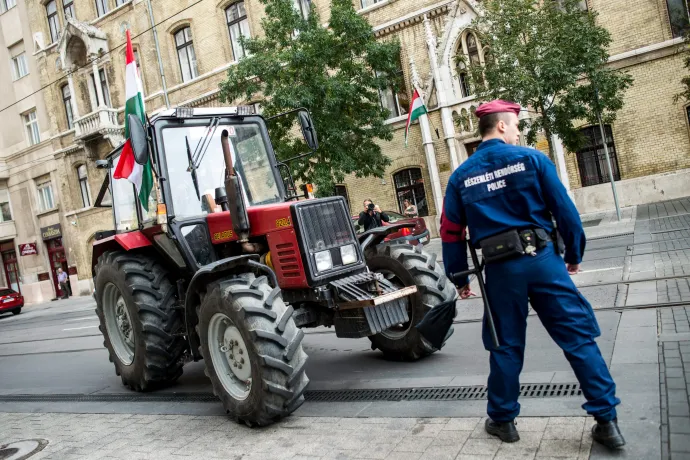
[[421, 96]]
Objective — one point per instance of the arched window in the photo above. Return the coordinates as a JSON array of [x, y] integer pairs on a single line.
[[185, 54], [472, 49], [84, 185], [591, 159], [409, 185], [67, 102], [238, 26], [464, 79]]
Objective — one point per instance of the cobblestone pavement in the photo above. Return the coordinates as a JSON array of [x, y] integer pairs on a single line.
[[97, 436], [674, 378]]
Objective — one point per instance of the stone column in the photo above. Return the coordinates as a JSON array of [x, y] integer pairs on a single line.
[[73, 103], [431, 164]]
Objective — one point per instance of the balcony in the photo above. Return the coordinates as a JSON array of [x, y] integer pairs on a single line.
[[7, 230], [101, 123]]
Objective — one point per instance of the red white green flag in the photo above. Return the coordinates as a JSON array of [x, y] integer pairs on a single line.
[[127, 167], [417, 109]]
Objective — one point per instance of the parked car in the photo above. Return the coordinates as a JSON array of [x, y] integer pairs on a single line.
[[416, 235], [10, 300]]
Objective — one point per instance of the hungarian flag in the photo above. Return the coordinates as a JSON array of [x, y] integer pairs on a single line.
[[417, 109], [127, 168]]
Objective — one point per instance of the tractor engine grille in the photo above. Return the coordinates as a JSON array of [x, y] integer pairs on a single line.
[[324, 225]]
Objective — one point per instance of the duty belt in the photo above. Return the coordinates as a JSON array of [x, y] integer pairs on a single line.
[[513, 243]]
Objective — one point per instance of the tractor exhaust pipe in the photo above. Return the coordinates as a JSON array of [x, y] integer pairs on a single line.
[[233, 189]]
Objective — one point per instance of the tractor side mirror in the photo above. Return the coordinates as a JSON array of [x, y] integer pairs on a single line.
[[103, 164], [308, 130], [138, 139]]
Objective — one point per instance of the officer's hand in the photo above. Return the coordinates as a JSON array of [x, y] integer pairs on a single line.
[[573, 269], [465, 292]]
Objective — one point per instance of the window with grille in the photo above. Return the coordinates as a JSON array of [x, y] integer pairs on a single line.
[[185, 54], [53, 24], [67, 102], [45, 196], [591, 159], [33, 135], [101, 7], [68, 8], [20, 68], [679, 17], [409, 185], [238, 26], [84, 186]]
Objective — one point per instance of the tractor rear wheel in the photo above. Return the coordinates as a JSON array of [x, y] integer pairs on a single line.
[[252, 350], [407, 265], [135, 305]]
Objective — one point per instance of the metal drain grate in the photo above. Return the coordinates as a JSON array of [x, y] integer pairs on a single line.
[[533, 390]]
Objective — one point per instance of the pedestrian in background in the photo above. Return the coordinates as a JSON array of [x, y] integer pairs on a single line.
[[410, 210], [62, 279], [372, 216], [506, 195]]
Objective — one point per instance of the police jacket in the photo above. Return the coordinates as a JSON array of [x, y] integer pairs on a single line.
[[503, 187]]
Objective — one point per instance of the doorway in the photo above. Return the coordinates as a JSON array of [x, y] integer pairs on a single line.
[[9, 260], [56, 254]]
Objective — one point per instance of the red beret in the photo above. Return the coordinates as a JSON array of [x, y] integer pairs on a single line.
[[497, 106]]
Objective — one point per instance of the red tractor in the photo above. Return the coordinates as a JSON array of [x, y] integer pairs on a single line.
[[228, 265]]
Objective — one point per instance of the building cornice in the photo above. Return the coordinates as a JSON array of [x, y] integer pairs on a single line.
[[412, 18]]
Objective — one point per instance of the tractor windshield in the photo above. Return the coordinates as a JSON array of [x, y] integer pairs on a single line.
[[250, 157]]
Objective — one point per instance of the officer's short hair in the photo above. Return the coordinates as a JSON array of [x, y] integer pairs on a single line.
[[488, 123]]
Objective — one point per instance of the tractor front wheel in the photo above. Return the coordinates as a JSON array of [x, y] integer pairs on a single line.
[[406, 265], [252, 350]]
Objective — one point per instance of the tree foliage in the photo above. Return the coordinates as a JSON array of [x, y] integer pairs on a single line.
[[336, 72], [549, 56]]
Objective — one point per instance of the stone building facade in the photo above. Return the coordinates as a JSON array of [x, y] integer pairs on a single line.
[[77, 50]]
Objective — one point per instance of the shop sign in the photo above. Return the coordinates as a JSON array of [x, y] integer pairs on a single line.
[[28, 249], [51, 231]]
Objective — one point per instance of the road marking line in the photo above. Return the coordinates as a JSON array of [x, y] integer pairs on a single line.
[[76, 328], [600, 269], [82, 318]]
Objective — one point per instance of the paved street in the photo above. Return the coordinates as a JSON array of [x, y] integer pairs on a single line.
[[57, 384]]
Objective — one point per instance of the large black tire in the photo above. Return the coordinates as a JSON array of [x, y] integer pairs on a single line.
[[410, 265], [17, 311], [149, 297], [273, 346]]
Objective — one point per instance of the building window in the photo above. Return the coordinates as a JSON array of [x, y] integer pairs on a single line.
[[53, 23], [302, 7], [471, 147], [5, 211], [101, 7], [341, 190], [67, 102], [678, 17], [84, 186], [464, 80], [7, 4], [68, 8], [394, 98], [591, 159], [103, 81], [185, 54], [33, 135], [472, 49], [238, 25], [121, 2], [409, 185], [19, 67], [45, 196], [368, 3]]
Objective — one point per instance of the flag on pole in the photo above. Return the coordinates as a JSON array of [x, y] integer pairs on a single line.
[[417, 109], [127, 168]]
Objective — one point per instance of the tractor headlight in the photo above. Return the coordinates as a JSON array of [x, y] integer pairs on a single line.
[[323, 261], [348, 254]]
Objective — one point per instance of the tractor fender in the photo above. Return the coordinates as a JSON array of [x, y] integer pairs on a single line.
[[128, 241], [207, 274], [371, 238]]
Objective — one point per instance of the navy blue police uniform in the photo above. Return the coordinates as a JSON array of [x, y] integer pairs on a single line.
[[504, 187]]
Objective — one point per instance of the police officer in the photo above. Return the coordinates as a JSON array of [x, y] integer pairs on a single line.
[[505, 195]]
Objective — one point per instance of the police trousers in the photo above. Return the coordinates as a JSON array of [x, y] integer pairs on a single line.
[[567, 317]]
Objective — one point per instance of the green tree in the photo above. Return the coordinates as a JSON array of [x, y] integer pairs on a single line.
[[685, 81], [336, 72], [549, 56]]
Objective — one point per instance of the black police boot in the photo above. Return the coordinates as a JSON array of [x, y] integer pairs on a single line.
[[506, 431], [608, 434]]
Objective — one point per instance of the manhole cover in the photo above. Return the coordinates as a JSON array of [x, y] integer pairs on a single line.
[[22, 449]]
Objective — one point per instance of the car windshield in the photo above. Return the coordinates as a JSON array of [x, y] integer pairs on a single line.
[[394, 216], [253, 166], [4, 292]]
